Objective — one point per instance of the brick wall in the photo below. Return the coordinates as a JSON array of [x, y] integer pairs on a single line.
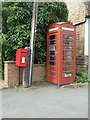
[[13, 74], [39, 71]]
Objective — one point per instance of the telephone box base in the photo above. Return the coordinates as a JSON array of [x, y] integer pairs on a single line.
[[60, 84]]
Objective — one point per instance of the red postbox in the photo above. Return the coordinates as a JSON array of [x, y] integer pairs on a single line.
[[21, 57], [61, 53]]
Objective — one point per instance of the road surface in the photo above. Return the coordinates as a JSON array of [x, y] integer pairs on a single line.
[[45, 102]]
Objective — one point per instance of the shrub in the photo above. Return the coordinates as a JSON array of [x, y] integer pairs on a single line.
[[16, 26], [81, 76]]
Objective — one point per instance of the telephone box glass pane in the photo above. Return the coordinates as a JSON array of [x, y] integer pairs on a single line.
[[52, 63], [52, 37], [52, 73], [67, 42], [52, 42], [68, 52], [52, 53], [67, 68], [51, 47], [52, 57], [68, 57], [68, 63], [68, 47], [67, 36], [52, 68]]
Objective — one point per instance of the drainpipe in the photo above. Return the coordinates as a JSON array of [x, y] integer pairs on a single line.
[[79, 23]]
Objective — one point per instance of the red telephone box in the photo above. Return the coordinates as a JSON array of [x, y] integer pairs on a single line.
[[21, 57], [61, 53]]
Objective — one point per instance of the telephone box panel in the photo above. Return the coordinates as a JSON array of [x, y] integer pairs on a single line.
[[61, 53], [21, 57]]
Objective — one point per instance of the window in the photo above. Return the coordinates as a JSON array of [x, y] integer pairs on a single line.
[[51, 47], [52, 37], [52, 63], [67, 52], [68, 58], [52, 42], [68, 63], [52, 57], [52, 68], [52, 53], [67, 47], [52, 73], [67, 69], [67, 42], [67, 36]]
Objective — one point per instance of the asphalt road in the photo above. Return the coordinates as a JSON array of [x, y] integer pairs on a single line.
[[45, 102]]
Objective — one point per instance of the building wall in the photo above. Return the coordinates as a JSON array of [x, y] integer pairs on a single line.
[[80, 39], [77, 12], [87, 5]]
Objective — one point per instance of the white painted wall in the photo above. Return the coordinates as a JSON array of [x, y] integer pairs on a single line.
[[87, 38], [87, 44]]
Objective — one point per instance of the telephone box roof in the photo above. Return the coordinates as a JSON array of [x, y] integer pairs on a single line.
[[59, 23]]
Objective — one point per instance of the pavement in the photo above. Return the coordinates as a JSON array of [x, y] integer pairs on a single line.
[[45, 101], [3, 84]]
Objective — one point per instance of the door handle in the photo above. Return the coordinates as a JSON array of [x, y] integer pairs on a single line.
[[56, 52]]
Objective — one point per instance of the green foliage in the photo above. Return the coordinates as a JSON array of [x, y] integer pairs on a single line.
[[81, 76], [44, 78], [16, 26]]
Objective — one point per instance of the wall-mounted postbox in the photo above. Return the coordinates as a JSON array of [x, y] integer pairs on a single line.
[[21, 57]]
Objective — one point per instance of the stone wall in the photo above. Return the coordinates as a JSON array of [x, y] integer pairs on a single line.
[[77, 12], [80, 38], [82, 62], [87, 5]]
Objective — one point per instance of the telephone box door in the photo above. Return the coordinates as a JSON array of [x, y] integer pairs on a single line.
[[52, 57]]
